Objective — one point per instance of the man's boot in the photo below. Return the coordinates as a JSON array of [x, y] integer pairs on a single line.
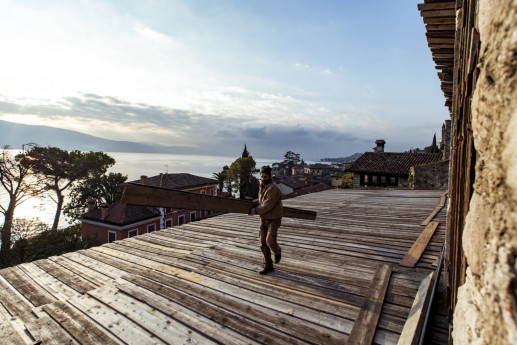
[[266, 270]]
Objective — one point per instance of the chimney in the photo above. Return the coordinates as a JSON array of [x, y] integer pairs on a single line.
[[91, 204], [380, 145], [143, 179], [104, 211]]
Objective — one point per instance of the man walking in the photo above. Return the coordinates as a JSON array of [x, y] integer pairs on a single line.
[[270, 211]]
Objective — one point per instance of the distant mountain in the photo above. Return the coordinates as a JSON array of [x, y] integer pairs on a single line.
[[347, 159], [15, 135]]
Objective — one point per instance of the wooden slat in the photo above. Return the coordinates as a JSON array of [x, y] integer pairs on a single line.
[[13, 303], [412, 328], [155, 322], [254, 330], [438, 13], [27, 287], [210, 328], [194, 286], [81, 328], [136, 194], [437, 6], [8, 334], [365, 325], [416, 250], [46, 330], [124, 328], [75, 281], [436, 209]]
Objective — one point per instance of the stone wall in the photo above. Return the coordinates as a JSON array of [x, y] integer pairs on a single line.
[[430, 176], [486, 309], [357, 180]]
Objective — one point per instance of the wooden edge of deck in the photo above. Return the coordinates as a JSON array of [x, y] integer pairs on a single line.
[[365, 324], [415, 252], [437, 208], [413, 327]]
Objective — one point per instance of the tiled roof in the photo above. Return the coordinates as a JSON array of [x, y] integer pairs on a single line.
[[291, 181], [178, 181], [319, 166], [122, 214], [391, 162], [308, 190]]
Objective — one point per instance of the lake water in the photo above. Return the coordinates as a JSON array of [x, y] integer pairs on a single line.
[[135, 165]]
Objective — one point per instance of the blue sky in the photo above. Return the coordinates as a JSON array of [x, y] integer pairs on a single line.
[[320, 78]]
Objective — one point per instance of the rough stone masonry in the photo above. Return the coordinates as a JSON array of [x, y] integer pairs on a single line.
[[486, 311]]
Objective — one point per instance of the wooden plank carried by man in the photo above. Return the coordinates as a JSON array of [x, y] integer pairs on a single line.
[[142, 195]]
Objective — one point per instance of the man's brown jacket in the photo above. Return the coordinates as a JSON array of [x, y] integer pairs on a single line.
[[270, 202]]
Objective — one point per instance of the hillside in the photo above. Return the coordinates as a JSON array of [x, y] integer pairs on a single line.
[[15, 135]]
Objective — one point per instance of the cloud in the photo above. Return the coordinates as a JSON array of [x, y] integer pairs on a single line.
[[114, 118], [326, 71]]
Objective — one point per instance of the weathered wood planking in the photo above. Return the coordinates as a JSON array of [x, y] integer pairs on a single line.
[[412, 328], [416, 250], [210, 328], [8, 333], [202, 277], [80, 327], [366, 323], [137, 194], [27, 287], [437, 209]]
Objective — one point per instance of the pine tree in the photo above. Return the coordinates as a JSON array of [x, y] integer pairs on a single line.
[[245, 153]]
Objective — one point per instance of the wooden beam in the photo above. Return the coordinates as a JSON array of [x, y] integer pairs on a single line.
[[413, 327], [137, 194], [416, 250], [440, 20], [440, 27], [365, 324], [437, 6], [438, 13], [436, 209]]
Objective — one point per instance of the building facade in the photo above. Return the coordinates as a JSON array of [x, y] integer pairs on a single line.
[[387, 169]]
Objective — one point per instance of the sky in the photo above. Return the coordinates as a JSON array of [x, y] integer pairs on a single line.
[[320, 78]]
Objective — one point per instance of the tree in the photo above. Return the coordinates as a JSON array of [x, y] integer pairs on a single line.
[[290, 161], [102, 188], [16, 181], [433, 148], [347, 181], [47, 242], [241, 175], [23, 230], [60, 169], [221, 179], [245, 153]]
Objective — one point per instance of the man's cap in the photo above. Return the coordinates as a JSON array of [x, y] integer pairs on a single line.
[[266, 169]]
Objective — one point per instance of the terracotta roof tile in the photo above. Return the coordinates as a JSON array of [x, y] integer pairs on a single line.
[[122, 214], [291, 181], [308, 190], [391, 162], [178, 181]]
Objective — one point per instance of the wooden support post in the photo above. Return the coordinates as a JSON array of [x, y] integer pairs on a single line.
[[137, 194], [416, 250], [365, 324]]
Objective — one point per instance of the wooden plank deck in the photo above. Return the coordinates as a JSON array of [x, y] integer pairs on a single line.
[[198, 283]]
